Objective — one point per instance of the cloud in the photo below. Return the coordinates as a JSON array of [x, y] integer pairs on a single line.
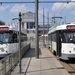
[[2, 8], [59, 6], [56, 6], [19, 8]]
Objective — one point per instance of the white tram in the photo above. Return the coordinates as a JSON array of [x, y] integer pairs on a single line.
[[62, 41], [9, 39]]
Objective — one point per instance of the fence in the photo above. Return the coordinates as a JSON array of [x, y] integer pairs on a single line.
[[8, 63]]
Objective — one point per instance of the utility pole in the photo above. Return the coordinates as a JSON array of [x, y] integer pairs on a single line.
[[20, 41], [48, 20], [48, 27], [36, 23], [43, 29]]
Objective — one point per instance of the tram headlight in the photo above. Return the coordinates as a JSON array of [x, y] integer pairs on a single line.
[[2, 49], [69, 51]]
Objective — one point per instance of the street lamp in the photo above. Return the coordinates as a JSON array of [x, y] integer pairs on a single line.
[[19, 40], [15, 18]]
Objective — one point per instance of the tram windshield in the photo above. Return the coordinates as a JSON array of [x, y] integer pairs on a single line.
[[68, 36], [8, 37], [4, 37]]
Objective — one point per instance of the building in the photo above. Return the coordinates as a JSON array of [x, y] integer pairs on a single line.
[[28, 22], [45, 28]]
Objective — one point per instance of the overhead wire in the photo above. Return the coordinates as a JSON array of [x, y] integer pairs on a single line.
[[45, 16], [59, 13], [39, 2], [8, 10], [62, 9]]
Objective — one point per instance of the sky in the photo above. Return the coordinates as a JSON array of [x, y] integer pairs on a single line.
[[8, 11]]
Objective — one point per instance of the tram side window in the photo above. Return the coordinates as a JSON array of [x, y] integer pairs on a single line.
[[23, 38], [63, 38], [49, 38], [54, 37]]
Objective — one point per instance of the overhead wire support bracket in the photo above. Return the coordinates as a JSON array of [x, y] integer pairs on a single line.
[[16, 2], [40, 2], [56, 1]]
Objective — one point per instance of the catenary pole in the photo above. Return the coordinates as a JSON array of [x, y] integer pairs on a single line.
[[48, 27], [43, 29], [20, 42], [48, 20], [36, 26]]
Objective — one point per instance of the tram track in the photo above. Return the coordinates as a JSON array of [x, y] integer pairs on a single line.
[[69, 65]]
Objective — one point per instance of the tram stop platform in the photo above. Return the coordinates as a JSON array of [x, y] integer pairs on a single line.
[[47, 64]]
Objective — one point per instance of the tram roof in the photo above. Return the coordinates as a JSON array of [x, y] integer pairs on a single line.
[[60, 27]]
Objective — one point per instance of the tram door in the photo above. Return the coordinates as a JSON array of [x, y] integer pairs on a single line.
[[58, 44]]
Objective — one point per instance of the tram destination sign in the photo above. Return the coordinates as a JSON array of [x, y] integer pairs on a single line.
[[4, 28], [71, 27]]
